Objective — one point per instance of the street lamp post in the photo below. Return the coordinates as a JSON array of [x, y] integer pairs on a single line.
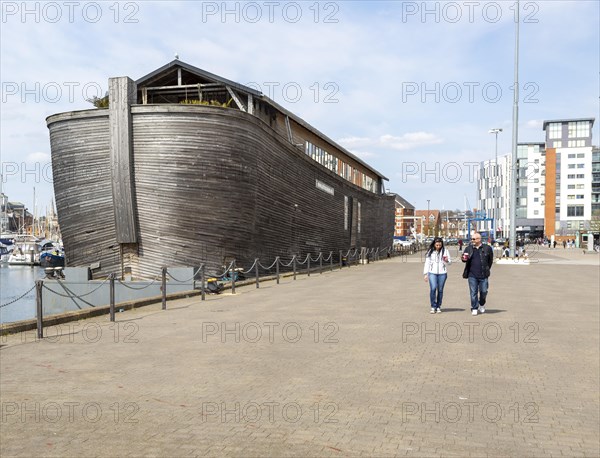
[[515, 139], [428, 219], [496, 131]]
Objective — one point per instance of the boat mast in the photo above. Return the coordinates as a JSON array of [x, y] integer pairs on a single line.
[[33, 222]]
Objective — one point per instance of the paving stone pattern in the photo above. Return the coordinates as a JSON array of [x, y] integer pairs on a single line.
[[346, 363]]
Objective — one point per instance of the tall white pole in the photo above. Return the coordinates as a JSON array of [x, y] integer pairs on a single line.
[[495, 189], [515, 136], [428, 218], [33, 211], [495, 206]]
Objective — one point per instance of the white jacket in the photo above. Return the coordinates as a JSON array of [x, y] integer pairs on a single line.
[[435, 264]]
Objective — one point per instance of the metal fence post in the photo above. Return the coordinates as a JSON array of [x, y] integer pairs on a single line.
[[233, 274], [340, 259], [277, 268], [203, 291], [294, 264], [256, 272], [308, 264], [164, 288], [39, 310], [321, 262], [111, 297], [331, 261]]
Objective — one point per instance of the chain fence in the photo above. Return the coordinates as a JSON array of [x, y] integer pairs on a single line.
[[231, 274]]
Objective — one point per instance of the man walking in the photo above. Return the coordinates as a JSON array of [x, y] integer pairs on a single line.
[[478, 261]]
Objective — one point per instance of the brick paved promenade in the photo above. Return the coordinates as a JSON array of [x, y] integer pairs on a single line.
[[345, 363]]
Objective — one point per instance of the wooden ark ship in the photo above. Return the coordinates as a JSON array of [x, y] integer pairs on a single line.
[[185, 167]]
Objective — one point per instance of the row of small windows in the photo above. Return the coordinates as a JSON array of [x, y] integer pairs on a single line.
[[578, 129], [575, 129], [578, 155], [555, 130], [575, 196], [575, 186], [578, 175], [338, 166], [575, 210], [572, 166], [575, 224], [570, 144]]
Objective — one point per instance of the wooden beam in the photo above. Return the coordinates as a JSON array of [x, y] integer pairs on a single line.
[[289, 129], [236, 99], [122, 94]]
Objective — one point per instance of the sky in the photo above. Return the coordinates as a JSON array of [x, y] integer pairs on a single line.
[[412, 88]]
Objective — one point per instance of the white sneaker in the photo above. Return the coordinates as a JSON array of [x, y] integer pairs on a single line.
[[474, 312], [432, 310], [438, 310], [481, 309]]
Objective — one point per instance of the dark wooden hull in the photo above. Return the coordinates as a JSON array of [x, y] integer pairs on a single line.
[[210, 184]]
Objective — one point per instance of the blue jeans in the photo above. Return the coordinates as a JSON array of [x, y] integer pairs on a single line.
[[436, 285], [478, 285]]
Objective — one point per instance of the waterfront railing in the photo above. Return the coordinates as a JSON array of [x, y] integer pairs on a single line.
[[169, 285]]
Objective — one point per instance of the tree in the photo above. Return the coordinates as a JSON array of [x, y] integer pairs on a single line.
[[99, 102]]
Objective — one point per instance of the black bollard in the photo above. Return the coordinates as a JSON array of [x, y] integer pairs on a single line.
[[111, 297], [164, 288], [39, 310]]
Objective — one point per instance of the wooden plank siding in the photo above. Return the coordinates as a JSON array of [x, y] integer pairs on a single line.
[[211, 184], [82, 187]]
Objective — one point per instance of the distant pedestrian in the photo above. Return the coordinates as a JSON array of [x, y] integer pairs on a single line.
[[460, 244], [435, 271], [554, 244], [564, 244], [478, 261]]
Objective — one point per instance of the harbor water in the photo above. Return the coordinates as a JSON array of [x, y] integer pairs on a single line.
[[14, 282]]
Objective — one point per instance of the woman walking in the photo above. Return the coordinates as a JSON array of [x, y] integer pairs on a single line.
[[435, 270]]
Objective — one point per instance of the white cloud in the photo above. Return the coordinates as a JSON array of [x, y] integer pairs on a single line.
[[408, 141], [534, 124], [355, 142]]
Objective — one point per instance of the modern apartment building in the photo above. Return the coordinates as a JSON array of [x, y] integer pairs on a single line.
[[596, 188], [531, 188], [568, 171], [558, 183], [493, 193]]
